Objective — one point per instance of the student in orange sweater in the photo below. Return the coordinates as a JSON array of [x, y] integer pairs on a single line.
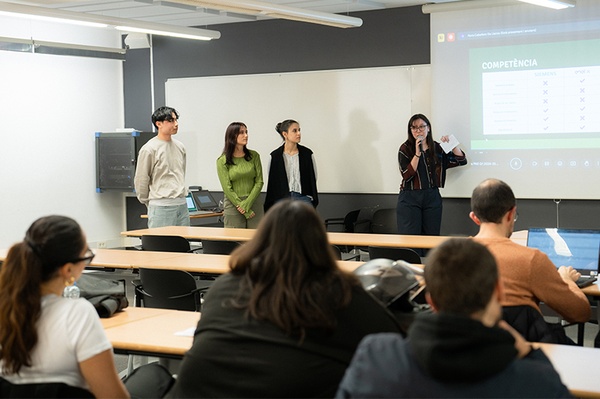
[[528, 275]]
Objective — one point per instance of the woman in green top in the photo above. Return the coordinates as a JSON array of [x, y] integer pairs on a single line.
[[240, 173]]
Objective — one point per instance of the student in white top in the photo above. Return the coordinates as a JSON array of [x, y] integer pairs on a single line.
[[160, 173], [45, 338]]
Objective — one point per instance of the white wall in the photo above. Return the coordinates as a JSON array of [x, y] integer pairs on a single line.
[[354, 120], [52, 106]]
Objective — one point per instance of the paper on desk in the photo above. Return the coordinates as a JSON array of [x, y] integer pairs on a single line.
[[449, 146], [188, 332]]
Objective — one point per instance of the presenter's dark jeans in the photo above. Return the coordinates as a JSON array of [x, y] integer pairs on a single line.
[[300, 197], [419, 212]]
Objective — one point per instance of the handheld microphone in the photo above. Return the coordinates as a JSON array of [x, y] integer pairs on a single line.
[[421, 144]]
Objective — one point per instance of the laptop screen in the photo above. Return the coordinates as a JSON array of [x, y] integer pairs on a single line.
[[568, 247], [190, 203], [204, 200]]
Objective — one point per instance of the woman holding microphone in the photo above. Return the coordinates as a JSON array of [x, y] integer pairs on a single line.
[[423, 164]]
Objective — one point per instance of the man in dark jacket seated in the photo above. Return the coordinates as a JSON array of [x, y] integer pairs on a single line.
[[463, 349]]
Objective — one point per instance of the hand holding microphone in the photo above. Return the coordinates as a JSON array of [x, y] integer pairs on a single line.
[[420, 139]]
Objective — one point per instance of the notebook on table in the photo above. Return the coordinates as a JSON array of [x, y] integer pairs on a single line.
[[570, 247], [192, 208]]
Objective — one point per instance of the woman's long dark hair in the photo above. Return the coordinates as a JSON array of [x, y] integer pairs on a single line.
[[231, 134], [290, 275], [49, 243], [428, 139]]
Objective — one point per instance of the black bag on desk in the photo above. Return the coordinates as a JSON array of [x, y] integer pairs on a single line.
[[108, 296]]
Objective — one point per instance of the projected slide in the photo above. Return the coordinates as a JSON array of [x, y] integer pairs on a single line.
[[519, 86], [536, 96]]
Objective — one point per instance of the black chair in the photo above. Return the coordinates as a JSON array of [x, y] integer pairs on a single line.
[[169, 289], [356, 221], [384, 221], [161, 244], [165, 243], [219, 247], [405, 254], [41, 390]]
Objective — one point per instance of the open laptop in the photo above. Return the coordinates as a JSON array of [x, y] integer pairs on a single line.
[[205, 202], [570, 247], [192, 207]]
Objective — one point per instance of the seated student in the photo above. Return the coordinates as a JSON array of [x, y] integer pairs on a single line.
[[285, 321], [528, 275], [44, 337], [461, 350]]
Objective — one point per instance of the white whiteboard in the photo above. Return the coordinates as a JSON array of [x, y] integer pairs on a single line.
[[354, 120]]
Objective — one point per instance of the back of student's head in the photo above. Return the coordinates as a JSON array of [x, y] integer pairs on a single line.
[[164, 113], [491, 199], [461, 275], [50, 242], [290, 270]]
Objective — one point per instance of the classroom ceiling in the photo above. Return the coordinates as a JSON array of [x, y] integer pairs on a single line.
[[182, 13]]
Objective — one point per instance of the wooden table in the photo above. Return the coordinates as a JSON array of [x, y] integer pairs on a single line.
[[152, 332], [197, 215], [213, 264], [577, 368], [189, 262], [199, 233], [127, 259], [196, 263]]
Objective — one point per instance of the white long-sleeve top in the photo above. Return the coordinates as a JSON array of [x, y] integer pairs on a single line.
[[160, 172]]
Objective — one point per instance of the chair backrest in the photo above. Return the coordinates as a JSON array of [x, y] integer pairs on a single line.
[[41, 390], [165, 243], [364, 219], [384, 221], [219, 247], [169, 289], [405, 254], [349, 220], [337, 251]]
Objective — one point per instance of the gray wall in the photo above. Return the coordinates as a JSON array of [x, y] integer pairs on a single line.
[[398, 36]]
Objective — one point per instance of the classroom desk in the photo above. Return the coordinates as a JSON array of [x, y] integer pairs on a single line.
[[129, 334], [119, 258], [196, 216], [213, 264], [336, 238], [127, 259], [189, 262], [577, 367], [130, 315], [150, 332]]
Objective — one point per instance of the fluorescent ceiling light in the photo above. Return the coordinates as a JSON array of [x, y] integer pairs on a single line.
[[555, 4], [43, 47], [129, 25], [171, 33], [463, 5], [252, 7], [473, 4], [55, 19]]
